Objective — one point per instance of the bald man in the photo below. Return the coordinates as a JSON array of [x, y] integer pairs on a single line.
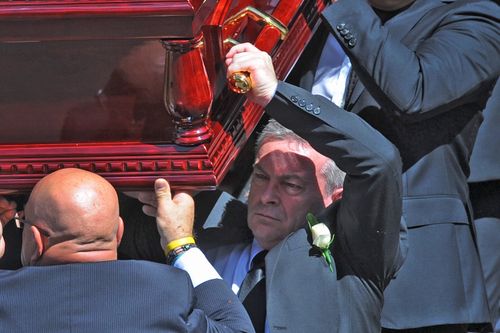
[[72, 281], [71, 216]]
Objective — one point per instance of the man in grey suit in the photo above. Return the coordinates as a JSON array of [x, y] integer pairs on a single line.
[[484, 184], [424, 71], [302, 292], [72, 281]]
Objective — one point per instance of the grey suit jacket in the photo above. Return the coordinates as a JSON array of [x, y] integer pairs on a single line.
[[302, 294], [484, 183], [425, 75], [115, 296]]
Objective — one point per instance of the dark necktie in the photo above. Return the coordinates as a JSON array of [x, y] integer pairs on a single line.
[[253, 292], [351, 83]]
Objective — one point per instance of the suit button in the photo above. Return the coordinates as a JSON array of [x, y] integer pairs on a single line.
[[349, 36], [309, 107], [317, 110], [352, 42], [294, 99], [341, 26], [344, 32], [302, 103]]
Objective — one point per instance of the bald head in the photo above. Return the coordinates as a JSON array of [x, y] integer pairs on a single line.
[[72, 216]]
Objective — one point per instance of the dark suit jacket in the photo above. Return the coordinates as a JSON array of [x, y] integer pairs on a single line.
[[485, 159], [425, 75], [115, 296], [484, 183], [302, 294]]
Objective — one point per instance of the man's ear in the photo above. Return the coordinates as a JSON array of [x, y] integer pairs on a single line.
[[39, 243], [119, 231], [337, 194]]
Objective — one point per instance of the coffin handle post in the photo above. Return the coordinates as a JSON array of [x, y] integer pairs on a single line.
[[187, 92]]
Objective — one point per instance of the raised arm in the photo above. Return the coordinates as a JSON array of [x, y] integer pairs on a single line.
[[369, 216], [216, 307], [420, 64]]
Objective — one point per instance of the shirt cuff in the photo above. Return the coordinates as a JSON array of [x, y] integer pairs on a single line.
[[194, 262]]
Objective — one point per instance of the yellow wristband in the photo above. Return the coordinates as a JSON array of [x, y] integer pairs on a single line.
[[179, 242]]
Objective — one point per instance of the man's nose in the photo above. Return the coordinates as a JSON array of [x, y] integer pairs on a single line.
[[270, 194]]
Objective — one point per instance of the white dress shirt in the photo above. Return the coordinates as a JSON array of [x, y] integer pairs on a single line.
[[194, 262], [330, 79]]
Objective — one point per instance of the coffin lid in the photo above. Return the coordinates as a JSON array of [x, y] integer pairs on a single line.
[[39, 20]]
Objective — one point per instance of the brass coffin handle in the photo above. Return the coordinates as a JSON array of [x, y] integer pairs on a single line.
[[257, 16], [241, 82]]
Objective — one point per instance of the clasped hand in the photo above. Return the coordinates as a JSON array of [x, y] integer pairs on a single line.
[[247, 58]]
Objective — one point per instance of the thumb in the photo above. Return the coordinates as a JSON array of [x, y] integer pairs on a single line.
[[162, 190]]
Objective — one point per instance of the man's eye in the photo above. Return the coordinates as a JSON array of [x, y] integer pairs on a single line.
[[293, 188], [259, 176]]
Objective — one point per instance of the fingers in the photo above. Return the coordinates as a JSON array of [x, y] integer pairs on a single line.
[[162, 193], [7, 215], [247, 58], [147, 198], [7, 210], [250, 61], [132, 194], [244, 47], [149, 210], [174, 214], [184, 201]]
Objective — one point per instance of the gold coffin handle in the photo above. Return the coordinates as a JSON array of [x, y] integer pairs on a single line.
[[240, 82]]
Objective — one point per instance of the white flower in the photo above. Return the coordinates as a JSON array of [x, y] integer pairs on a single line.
[[321, 235]]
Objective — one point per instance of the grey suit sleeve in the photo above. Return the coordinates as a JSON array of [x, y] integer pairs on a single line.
[[367, 221], [454, 54], [218, 310]]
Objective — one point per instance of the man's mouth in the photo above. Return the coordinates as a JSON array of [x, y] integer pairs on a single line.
[[267, 217]]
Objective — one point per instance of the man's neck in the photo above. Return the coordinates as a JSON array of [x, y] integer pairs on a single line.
[[61, 257]]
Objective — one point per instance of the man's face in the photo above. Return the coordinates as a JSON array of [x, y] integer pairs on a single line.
[[286, 185], [390, 5]]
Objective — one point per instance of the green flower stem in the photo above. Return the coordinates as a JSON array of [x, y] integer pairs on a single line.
[[328, 257]]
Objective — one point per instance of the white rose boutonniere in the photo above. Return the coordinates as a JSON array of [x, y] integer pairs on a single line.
[[321, 237]]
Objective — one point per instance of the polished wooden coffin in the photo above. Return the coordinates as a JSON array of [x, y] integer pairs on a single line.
[[133, 90]]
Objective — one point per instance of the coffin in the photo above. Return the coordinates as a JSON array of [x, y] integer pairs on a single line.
[[134, 90]]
